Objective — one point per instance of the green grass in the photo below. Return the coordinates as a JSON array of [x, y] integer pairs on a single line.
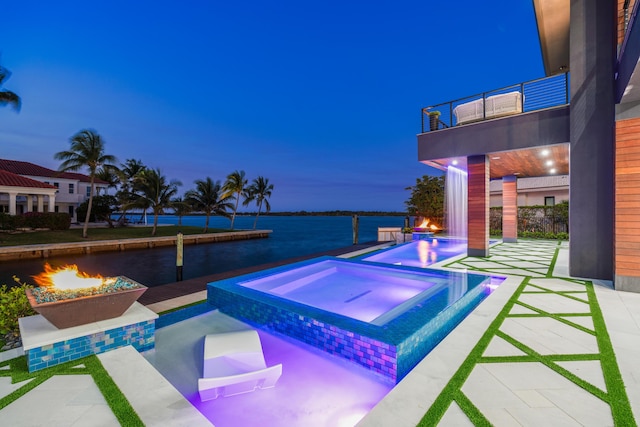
[[118, 403], [96, 234]]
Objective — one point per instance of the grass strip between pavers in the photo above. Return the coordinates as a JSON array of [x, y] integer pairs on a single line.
[[560, 293], [18, 371], [552, 265], [471, 410], [615, 395], [620, 406], [444, 399], [556, 317]]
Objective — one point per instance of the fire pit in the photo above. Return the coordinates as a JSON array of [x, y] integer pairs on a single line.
[[425, 230], [67, 297]]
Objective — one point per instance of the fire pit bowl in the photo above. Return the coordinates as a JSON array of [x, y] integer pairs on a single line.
[[77, 311]]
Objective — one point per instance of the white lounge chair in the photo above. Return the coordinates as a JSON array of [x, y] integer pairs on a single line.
[[234, 364]]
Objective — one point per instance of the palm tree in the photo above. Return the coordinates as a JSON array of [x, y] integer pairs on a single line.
[[259, 191], [207, 197], [234, 188], [156, 193], [110, 175], [180, 208], [6, 96], [87, 150], [128, 193]]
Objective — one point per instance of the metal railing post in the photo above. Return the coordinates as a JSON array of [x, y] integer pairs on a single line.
[[484, 106]]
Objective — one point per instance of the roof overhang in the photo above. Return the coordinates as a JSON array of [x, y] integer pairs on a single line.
[[525, 163], [552, 18]]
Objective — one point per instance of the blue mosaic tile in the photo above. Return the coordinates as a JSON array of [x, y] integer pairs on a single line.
[[141, 336], [392, 349]]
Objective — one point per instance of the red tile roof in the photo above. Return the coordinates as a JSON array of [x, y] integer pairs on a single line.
[[12, 180], [26, 168]]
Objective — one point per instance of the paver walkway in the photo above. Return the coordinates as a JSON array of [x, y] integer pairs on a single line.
[[542, 350], [546, 358]]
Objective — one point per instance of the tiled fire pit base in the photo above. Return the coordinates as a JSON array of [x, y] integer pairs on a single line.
[[46, 346]]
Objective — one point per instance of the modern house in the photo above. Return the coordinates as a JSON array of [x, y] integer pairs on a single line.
[[533, 191], [581, 120], [27, 187]]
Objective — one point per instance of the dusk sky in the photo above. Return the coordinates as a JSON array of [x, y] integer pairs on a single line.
[[322, 98]]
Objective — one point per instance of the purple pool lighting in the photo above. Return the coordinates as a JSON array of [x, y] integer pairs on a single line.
[[421, 253], [384, 318], [368, 293]]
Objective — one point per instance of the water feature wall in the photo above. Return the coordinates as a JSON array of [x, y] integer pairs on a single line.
[[456, 202]]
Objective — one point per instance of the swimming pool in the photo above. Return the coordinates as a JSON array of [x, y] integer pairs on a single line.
[[339, 306], [372, 294], [420, 253]]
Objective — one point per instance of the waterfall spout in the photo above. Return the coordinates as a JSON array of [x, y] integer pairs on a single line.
[[456, 202]]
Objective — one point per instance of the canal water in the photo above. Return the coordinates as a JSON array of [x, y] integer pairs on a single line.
[[292, 236]]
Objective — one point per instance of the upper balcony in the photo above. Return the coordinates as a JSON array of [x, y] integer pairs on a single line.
[[520, 98], [517, 120]]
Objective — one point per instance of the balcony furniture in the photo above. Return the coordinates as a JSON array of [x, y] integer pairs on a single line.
[[504, 104]]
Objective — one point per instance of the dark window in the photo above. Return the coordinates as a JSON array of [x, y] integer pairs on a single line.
[[71, 189], [550, 200], [71, 211]]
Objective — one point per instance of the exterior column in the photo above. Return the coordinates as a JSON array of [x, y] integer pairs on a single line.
[[592, 121], [29, 203], [52, 203], [40, 203], [478, 205], [509, 209], [12, 203]]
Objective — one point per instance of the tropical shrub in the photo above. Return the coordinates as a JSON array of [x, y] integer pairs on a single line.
[[427, 197], [537, 221], [50, 220], [13, 305], [101, 209]]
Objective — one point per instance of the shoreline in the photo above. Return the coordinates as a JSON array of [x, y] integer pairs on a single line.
[[11, 253]]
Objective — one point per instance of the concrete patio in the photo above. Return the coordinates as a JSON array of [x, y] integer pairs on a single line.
[[539, 351]]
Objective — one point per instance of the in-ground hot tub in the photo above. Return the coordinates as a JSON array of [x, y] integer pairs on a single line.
[[382, 317]]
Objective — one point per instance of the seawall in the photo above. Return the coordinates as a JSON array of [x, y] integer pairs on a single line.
[[9, 253]]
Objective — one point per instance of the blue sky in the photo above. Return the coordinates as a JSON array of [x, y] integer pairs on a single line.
[[322, 98]]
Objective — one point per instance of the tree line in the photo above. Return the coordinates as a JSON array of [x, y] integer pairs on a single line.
[[145, 188]]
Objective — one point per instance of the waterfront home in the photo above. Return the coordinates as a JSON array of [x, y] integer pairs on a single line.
[[588, 120], [27, 187]]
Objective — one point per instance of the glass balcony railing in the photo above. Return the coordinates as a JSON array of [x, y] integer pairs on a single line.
[[524, 97]]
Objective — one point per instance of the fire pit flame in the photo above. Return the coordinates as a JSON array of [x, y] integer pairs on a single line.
[[69, 278], [424, 223]]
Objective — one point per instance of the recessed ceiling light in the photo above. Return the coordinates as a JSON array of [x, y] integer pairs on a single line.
[[544, 152], [552, 170], [455, 162], [549, 162], [516, 173], [495, 158]]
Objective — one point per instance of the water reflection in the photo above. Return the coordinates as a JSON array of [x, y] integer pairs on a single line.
[[292, 236]]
